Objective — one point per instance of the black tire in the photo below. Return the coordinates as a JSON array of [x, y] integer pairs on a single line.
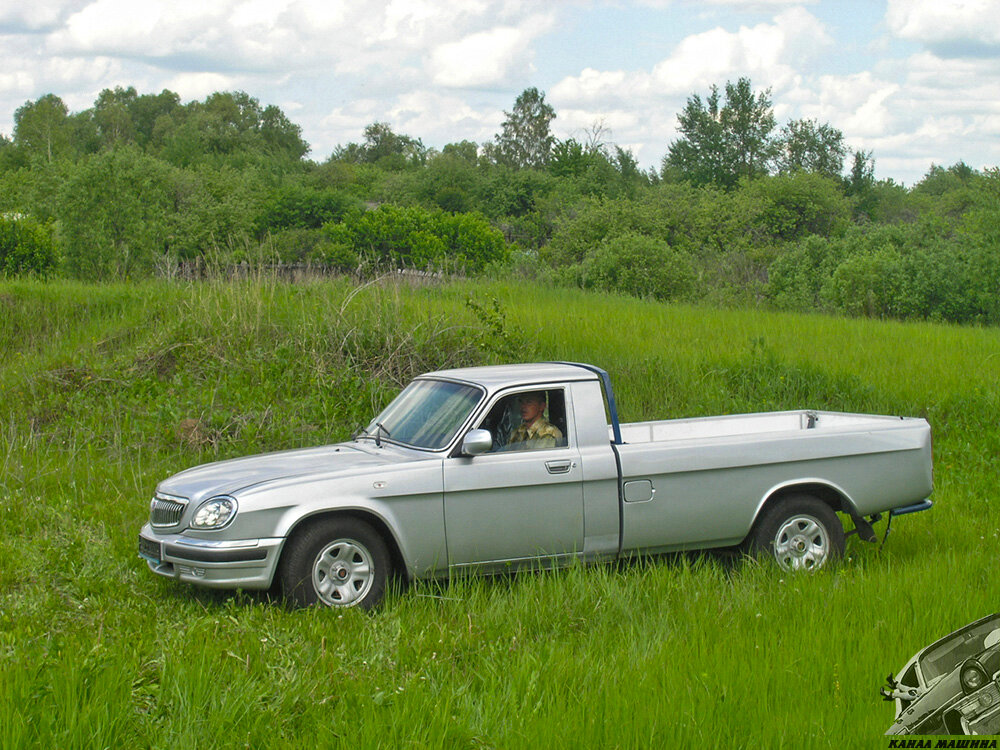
[[335, 562], [799, 532]]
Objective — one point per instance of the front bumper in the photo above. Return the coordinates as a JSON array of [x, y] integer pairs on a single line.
[[244, 563]]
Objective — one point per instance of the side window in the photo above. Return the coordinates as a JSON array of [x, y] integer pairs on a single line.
[[528, 420], [908, 680]]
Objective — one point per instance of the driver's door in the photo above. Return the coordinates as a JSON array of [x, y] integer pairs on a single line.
[[515, 505]]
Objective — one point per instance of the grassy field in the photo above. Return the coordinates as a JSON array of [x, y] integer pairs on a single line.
[[105, 390]]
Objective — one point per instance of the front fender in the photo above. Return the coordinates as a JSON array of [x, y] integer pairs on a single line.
[[406, 502]]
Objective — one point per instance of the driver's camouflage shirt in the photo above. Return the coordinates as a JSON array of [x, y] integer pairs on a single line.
[[539, 434]]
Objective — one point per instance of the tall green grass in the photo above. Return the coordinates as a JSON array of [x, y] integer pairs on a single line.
[[104, 390]]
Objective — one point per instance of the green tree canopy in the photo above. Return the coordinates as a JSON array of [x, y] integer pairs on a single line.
[[42, 128], [113, 212], [723, 141], [384, 147], [809, 146], [525, 139]]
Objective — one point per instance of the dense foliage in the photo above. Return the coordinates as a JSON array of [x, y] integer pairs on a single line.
[[745, 210]]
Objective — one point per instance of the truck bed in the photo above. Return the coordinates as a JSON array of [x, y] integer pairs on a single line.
[[737, 425], [700, 482]]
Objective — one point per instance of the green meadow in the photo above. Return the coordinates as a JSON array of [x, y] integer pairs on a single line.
[[107, 389]]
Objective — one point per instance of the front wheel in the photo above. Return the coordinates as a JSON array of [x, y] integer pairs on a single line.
[[800, 532], [335, 562]]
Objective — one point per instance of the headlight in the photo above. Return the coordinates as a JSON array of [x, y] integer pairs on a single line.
[[973, 676], [214, 513]]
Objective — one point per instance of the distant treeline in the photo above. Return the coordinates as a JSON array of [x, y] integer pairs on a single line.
[[740, 211]]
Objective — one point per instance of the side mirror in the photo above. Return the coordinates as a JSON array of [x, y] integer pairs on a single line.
[[476, 442]]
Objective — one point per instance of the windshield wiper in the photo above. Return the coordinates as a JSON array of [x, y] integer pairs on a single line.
[[378, 434]]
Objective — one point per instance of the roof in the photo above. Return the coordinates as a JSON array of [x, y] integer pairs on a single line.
[[495, 377]]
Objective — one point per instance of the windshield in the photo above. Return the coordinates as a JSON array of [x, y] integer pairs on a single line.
[[426, 414], [945, 656]]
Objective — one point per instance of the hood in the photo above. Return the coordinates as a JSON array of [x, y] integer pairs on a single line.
[[225, 477]]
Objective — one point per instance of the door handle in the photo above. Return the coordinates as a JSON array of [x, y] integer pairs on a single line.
[[558, 467]]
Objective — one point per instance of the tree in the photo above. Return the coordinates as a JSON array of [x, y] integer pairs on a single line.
[[10, 157], [42, 128], [281, 135], [722, 144], [860, 186], [467, 151], [809, 146], [113, 213], [229, 127], [384, 147], [525, 139], [862, 176], [147, 109], [113, 116]]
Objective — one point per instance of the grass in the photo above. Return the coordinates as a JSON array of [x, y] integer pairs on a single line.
[[105, 390]]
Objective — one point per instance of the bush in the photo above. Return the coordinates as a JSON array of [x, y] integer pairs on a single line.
[[792, 206], [868, 283], [336, 255], [640, 266], [113, 214], [213, 210], [917, 271], [669, 215], [417, 238], [797, 275], [295, 245], [26, 247], [298, 206]]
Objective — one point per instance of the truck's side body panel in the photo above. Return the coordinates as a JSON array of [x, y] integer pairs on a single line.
[[708, 490]]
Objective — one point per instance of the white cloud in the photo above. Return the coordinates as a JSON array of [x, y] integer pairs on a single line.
[[486, 58], [14, 81], [916, 111], [594, 86], [946, 22], [437, 117], [579, 123], [200, 85], [35, 16], [856, 104], [767, 53]]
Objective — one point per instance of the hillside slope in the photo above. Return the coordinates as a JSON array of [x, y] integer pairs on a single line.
[[105, 390]]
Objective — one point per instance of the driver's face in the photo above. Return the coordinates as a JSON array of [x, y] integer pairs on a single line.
[[531, 409]]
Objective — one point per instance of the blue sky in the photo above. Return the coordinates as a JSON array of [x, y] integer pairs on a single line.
[[917, 82]]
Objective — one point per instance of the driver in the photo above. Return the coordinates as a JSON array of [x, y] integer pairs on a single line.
[[535, 431]]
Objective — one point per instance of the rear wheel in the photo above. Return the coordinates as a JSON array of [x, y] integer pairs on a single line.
[[800, 532], [335, 562]]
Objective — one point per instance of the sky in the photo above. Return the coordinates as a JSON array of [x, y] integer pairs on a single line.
[[915, 82]]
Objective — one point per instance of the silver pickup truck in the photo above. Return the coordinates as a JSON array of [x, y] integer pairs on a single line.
[[489, 468]]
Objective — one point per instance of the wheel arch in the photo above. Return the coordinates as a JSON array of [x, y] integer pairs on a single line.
[[378, 524], [834, 496]]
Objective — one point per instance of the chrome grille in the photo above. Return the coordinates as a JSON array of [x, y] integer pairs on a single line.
[[166, 511]]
